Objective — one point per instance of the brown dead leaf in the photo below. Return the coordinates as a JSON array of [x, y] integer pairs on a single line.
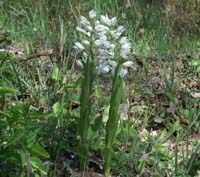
[[91, 174], [181, 119], [195, 84], [195, 94]]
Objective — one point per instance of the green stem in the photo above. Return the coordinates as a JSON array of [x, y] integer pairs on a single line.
[[107, 155], [112, 123], [85, 110]]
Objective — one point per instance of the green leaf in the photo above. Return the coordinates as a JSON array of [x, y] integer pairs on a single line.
[[9, 155], [70, 86], [198, 69], [38, 115], [22, 156], [37, 149], [121, 158], [172, 97], [56, 108], [6, 89], [158, 119], [174, 127], [36, 163], [19, 133], [162, 137], [97, 123], [56, 73], [31, 139], [196, 63], [160, 149]]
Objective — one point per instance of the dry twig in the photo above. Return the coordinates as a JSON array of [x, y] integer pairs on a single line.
[[21, 57]]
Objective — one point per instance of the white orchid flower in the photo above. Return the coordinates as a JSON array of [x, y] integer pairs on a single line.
[[118, 32], [86, 43], [101, 33], [92, 14], [97, 22], [124, 51], [79, 47], [88, 28], [103, 52], [112, 47], [102, 59], [124, 69], [83, 31], [123, 72], [79, 63], [102, 43], [112, 63], [84, 20], [125, 47], [120, 29], [107, 37], [123, 40], [105, 20], [101, 28], [103, 69], [128, 64], [113, 21]]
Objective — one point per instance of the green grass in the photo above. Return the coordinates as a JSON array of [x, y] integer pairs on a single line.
[[40, 99]]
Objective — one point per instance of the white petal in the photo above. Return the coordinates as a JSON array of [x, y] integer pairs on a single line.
[[102, 36], [113, 20], [120, 29], [101, 33], [102, 43], [85, 57], [112, 63], [86, 43], [125, 47], [112, 47], [100, 51], [102, 59], [88, 28], [104, 53], [111, 50], [128, 64], [123, 40], [123, 72], [79, 63], [118, 32], [103, 69], [92, 14], [124, 52], [84, 20], [105, 20], [79, 47], [154, 133], [123, 15], [83, 31], [100, 28], [97, 22]]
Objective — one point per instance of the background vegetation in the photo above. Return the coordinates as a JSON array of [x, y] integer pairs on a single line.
[[40, 97]]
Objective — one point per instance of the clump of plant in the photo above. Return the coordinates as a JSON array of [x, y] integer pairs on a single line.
[[20, 150], [196, 65], [104, 50], [184, 15]]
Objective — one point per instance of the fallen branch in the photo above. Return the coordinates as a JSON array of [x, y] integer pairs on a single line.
[[21, 57]]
